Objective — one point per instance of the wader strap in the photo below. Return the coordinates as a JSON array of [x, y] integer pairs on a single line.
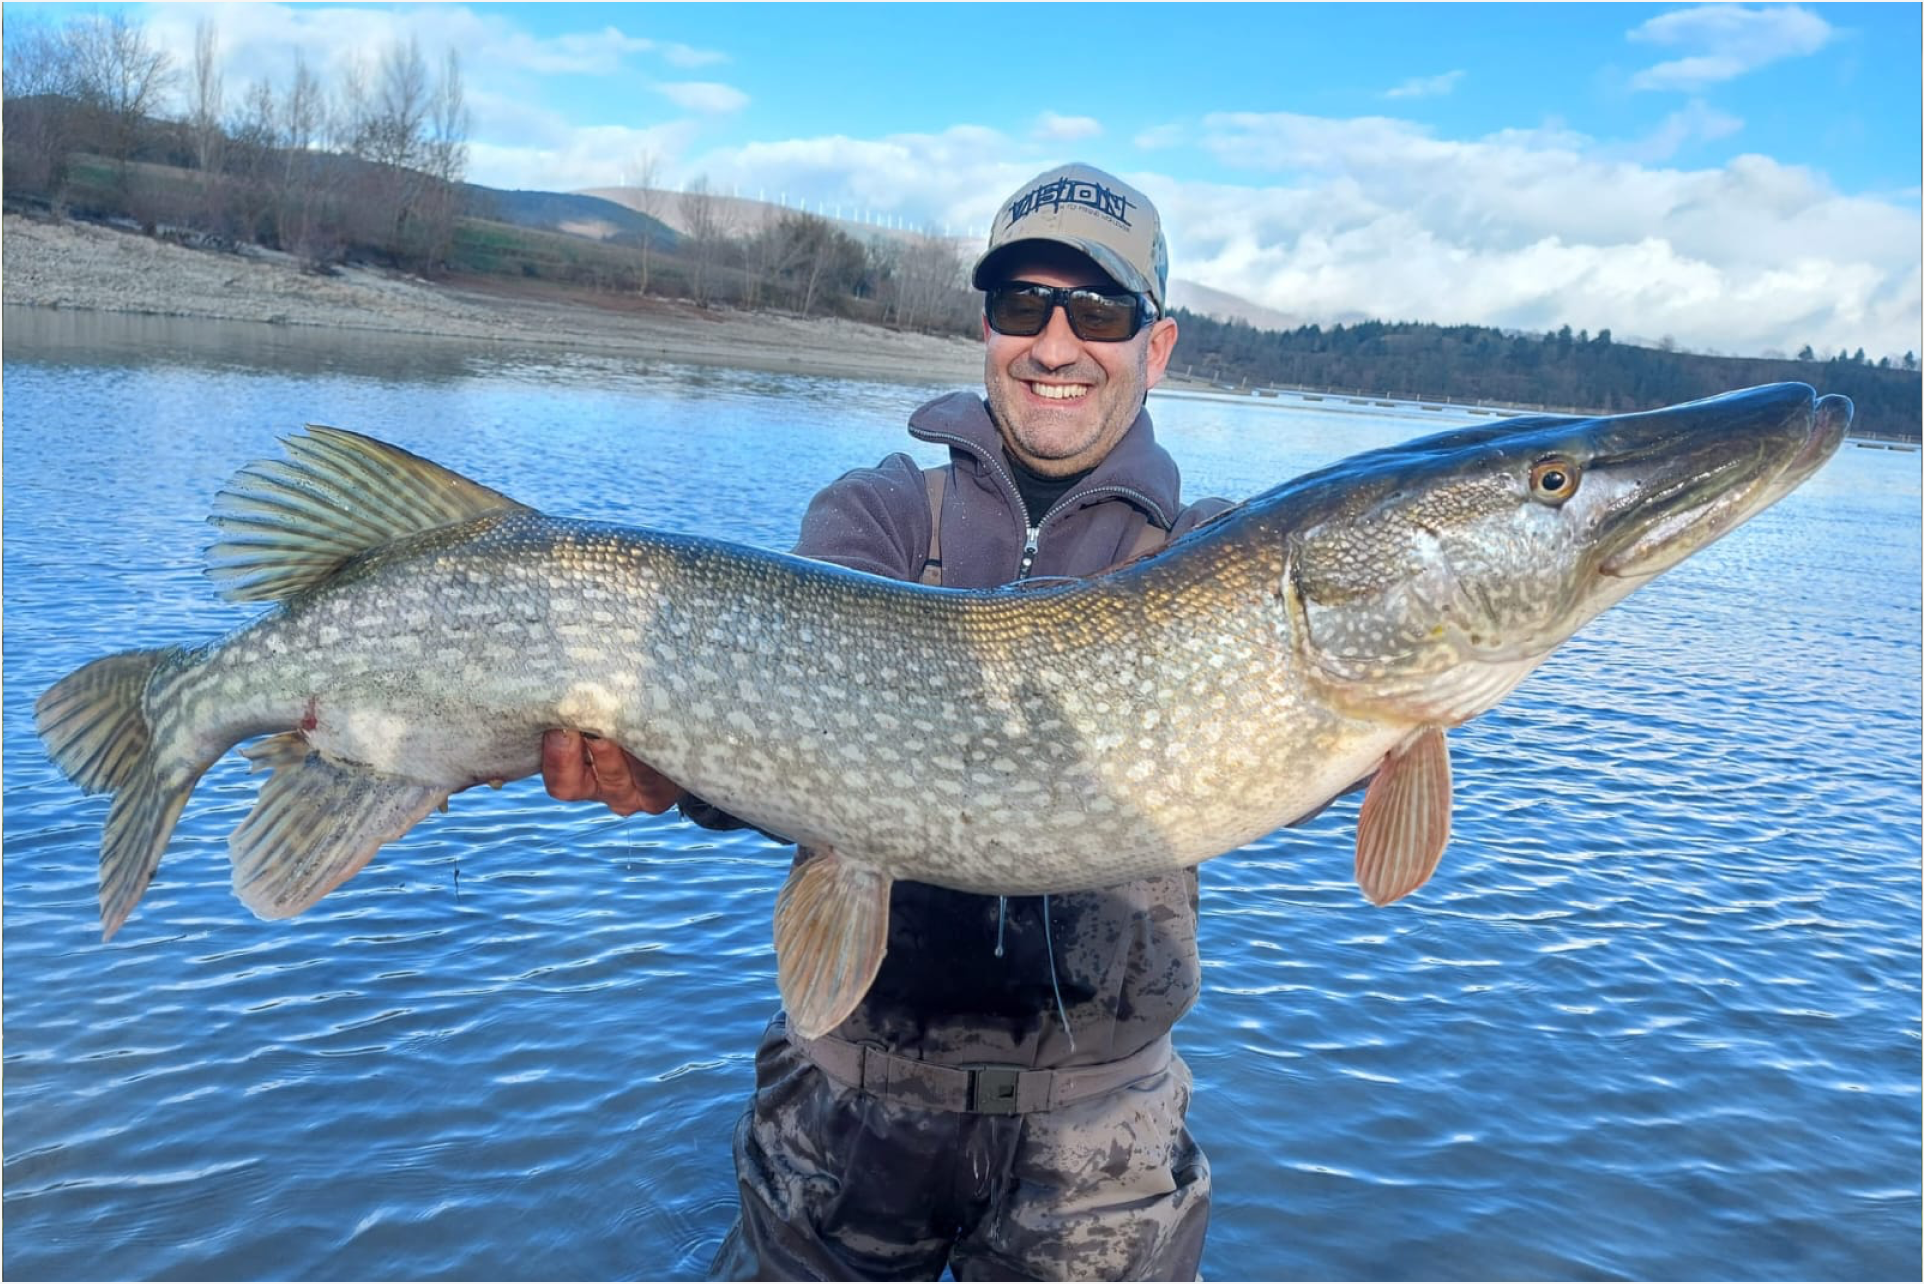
[[980, 1089], [934, 479]]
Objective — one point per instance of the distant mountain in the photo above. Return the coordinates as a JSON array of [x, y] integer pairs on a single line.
[[577, 213], [1220, 305], [739, 215]]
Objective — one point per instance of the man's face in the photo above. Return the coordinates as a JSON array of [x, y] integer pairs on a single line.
[[1061, 404]]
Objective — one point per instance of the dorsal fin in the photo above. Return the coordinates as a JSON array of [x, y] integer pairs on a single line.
[[289, 524]]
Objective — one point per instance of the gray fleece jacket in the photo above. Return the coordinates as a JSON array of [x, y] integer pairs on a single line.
[[966, 980]]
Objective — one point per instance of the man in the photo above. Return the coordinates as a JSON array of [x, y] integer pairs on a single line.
[[1005, 1100]]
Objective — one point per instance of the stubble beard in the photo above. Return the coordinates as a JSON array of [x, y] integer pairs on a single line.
[[1042, 448]]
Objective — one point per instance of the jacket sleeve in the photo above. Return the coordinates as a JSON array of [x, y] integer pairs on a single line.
[[1194, 515], [871, 519]]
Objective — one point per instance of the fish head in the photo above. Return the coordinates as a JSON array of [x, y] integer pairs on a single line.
[[1428, 579]]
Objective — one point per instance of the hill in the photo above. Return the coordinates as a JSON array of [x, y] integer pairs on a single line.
[[576, 213], [1561, 370]]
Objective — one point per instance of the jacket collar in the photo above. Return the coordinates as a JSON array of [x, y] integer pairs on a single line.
[[1138, 469]]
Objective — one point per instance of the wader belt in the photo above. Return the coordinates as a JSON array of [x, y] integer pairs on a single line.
[[983, 1089]]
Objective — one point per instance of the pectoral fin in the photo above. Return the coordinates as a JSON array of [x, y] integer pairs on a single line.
[[831, 931], [1405, 820], [317, 822]]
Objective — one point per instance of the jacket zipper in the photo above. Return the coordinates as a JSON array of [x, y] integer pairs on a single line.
[[1033, 537], [1076, 498]]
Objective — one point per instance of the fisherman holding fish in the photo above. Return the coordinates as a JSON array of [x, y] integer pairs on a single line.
[[1005, 1101]]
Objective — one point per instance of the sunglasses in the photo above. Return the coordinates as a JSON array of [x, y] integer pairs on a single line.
[[1022, 310]]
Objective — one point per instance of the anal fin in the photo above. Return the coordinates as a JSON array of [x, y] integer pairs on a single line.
[[1404, 824], [317, 823], [831, 931]]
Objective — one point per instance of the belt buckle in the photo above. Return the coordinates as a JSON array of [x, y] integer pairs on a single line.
[[992, 1089]]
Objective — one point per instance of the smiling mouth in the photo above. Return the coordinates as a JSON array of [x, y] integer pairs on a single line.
[[1059, 391]]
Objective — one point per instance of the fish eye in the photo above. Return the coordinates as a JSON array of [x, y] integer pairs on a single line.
[[1553, 480]]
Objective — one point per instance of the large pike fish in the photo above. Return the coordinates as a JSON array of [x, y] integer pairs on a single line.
[[1019, 741]]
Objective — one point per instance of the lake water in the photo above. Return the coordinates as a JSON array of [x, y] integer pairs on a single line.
[[1657, 1016]]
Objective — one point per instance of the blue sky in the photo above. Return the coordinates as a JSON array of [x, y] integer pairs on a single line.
[[1743, 178]]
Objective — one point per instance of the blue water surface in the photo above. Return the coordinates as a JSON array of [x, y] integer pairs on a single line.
[[1657, 1017]]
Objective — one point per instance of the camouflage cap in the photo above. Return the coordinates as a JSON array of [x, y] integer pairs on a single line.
[[1082, 207]]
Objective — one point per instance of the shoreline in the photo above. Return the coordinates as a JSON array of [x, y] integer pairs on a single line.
[[78, 266]]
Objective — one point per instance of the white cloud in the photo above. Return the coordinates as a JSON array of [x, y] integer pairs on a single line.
[[1697, 122], [706, 96], [1377, 217], [598, 53], [569, 159], [948, 181], [1725, 41], [259, 42], [687, 56], [1066, 129], [1426, 86], [1157, 137]]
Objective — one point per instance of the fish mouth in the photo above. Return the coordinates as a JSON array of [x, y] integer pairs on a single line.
[[1693, 473]]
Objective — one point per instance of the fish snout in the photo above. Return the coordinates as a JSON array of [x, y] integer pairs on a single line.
[[1730, 458], [1830, 420]]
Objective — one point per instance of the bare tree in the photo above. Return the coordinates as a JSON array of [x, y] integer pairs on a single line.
[[204, 117], [39, 110], [402, 97], [250, 149], [925, 274], [303, 119], [119, 79], [446, 157], [811, 249], [401, 100], [640, 176], [702, 216], [349, 125]]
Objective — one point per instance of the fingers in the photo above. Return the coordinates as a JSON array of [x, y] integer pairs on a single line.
[[628, 785], [654, 792], [576, 768], [565, 772]]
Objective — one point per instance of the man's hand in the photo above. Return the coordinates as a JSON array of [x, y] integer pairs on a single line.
[[577, 767]]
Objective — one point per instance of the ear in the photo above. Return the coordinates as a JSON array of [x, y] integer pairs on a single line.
[[1162, 345]]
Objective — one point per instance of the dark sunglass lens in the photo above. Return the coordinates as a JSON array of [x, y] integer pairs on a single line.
[[1099, 317], [1019, 312]]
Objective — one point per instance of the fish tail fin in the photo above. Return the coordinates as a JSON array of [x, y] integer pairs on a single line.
[[95, 727]]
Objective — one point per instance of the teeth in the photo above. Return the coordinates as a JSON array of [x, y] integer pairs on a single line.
[[1059, 391]]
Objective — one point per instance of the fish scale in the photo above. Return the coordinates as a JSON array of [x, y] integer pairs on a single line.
[[1037, 739]]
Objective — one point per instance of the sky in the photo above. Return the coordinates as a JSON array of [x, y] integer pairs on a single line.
[[1739, 178]]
